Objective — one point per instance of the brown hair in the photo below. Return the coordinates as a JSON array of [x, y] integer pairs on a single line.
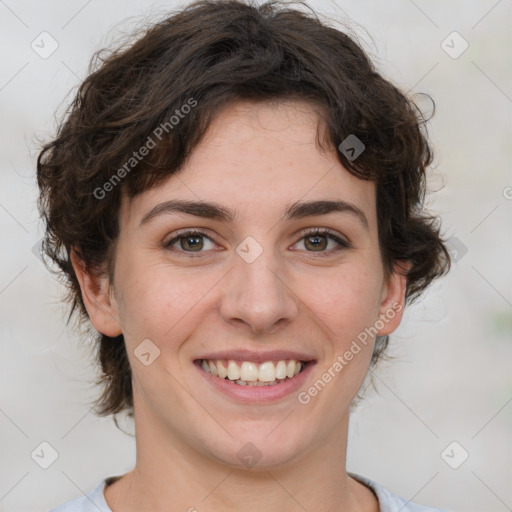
[[212, 53]]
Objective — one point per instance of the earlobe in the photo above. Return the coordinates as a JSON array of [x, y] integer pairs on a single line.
[[96, 294], [393, 299]]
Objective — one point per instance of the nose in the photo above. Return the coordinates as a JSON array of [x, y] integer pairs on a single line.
[[258, 296]]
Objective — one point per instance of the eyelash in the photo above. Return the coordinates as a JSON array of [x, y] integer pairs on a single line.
[[343, 244]]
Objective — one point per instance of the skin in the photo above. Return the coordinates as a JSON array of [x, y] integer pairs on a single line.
[[256, 158]]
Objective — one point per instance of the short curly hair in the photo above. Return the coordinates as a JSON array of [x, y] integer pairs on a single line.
[[213, 53]]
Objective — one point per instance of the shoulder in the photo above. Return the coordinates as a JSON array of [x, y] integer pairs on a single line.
[[92, 502], [389, 502]]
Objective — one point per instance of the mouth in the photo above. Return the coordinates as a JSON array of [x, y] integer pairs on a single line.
[[249, 373], [258, 381]]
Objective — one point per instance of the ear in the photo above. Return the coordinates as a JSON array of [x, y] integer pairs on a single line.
[[392, 303], [98, 298]]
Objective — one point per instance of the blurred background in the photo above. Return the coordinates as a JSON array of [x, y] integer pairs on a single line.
[[438, 430]]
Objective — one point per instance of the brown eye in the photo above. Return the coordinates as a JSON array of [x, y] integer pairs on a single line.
[[192, 242], [318, 241], [189, 242]]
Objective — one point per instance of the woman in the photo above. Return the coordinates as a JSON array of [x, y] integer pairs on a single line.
[[235, 201]]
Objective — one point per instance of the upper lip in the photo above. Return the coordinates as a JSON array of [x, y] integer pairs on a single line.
[[258, 357]]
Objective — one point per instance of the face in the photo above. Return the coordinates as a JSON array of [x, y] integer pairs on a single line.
[[295, 274]]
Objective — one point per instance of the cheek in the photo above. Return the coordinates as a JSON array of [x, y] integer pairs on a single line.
[[160, 304], [347, 301]]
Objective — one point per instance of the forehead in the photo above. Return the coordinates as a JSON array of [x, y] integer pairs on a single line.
[[259, 156]]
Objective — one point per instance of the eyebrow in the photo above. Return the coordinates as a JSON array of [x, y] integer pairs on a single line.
[[210, 210]]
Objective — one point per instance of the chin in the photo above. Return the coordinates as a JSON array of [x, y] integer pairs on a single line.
[[257, 452]]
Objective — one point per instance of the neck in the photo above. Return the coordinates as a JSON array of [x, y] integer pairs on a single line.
[[171, 474]]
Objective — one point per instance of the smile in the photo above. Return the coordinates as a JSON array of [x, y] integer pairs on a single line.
[[248, 373], [252, 382]]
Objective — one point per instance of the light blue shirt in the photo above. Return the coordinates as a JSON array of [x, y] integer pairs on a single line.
[[95, 500]]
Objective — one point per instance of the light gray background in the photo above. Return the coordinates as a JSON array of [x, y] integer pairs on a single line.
[[451, 377]]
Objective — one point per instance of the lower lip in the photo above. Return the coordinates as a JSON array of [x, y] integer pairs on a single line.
[[252, 394]]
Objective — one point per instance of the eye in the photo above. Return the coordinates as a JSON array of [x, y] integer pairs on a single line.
[[318, 240], [188, 242]]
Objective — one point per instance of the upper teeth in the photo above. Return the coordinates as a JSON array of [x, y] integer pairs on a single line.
[[248, 371]]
